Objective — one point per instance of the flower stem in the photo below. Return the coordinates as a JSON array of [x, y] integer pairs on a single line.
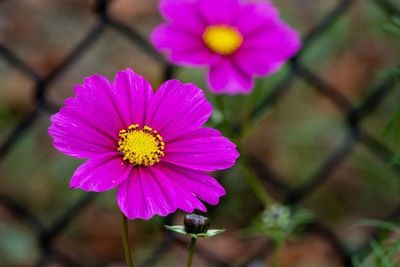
[[224, 125], [255, 184], [220, 103], [191, 252], [277, 256], [125, 241]]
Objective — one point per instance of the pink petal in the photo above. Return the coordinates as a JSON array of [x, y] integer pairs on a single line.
[[177, 108], [227, 77], [198, 183], [183, 46], [133, 95], [218, 12], [252, 16], [258, 64], [185, 199], [144, 195], [88, 123], [100, 173], [277, 41], [204, 149], [183, 13], [265, 51], [76, 135], [96, 97]]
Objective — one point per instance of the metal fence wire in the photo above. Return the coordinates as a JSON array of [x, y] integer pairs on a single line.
[[352, 115]]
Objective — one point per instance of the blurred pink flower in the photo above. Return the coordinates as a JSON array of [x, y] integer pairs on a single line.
[[237, 40], [151, 146]]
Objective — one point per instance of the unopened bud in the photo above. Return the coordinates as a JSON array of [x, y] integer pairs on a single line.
[[196, 224]]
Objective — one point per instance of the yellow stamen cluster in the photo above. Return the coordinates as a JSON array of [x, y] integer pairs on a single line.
[[141, 146], [222, 39]]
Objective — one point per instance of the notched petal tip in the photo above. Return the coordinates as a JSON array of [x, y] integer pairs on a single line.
[[159, 36], [190, 88], [227, 77], [134, 80], [100, 174], [144, 217], [128, 71]]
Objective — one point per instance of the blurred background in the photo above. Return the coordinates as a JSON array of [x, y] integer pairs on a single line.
[[298, 134]]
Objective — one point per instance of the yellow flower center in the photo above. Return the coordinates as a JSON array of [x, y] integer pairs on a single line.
[[141, 146], [222, 39]]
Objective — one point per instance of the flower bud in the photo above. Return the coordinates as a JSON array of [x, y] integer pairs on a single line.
[[196, 224], [277, 217]]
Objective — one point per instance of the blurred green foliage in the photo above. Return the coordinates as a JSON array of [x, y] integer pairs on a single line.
[[384, 252], [280, 223]]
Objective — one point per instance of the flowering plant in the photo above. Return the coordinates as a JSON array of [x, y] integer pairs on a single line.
[[151, 146], [236, 40]]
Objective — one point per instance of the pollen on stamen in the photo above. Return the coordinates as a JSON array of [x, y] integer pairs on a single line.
[[141, 146], [222, 39]]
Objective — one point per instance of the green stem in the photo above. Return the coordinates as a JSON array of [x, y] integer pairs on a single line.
[[277, 257], [255, 184], [125, 241], [224, 125], [219, 101], [191, 252]]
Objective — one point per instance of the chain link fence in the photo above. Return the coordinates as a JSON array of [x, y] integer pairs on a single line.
[[353, 115]]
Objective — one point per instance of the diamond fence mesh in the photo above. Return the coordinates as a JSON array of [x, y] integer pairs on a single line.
[[353, 115]]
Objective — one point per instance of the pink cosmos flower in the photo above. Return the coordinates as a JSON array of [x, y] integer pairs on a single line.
[[236, 39], [152, 147]]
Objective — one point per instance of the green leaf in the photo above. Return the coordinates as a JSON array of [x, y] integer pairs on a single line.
[[380, 224], [180, 229], [213, 232], [389, 72], [393, 29], [383, 253], [396, 20], [176, 228]]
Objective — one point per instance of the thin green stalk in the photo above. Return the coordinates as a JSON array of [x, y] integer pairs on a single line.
[[255, 184], [277, 256], [191, 252], [220, 103], [125, 241], [224, 125]]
